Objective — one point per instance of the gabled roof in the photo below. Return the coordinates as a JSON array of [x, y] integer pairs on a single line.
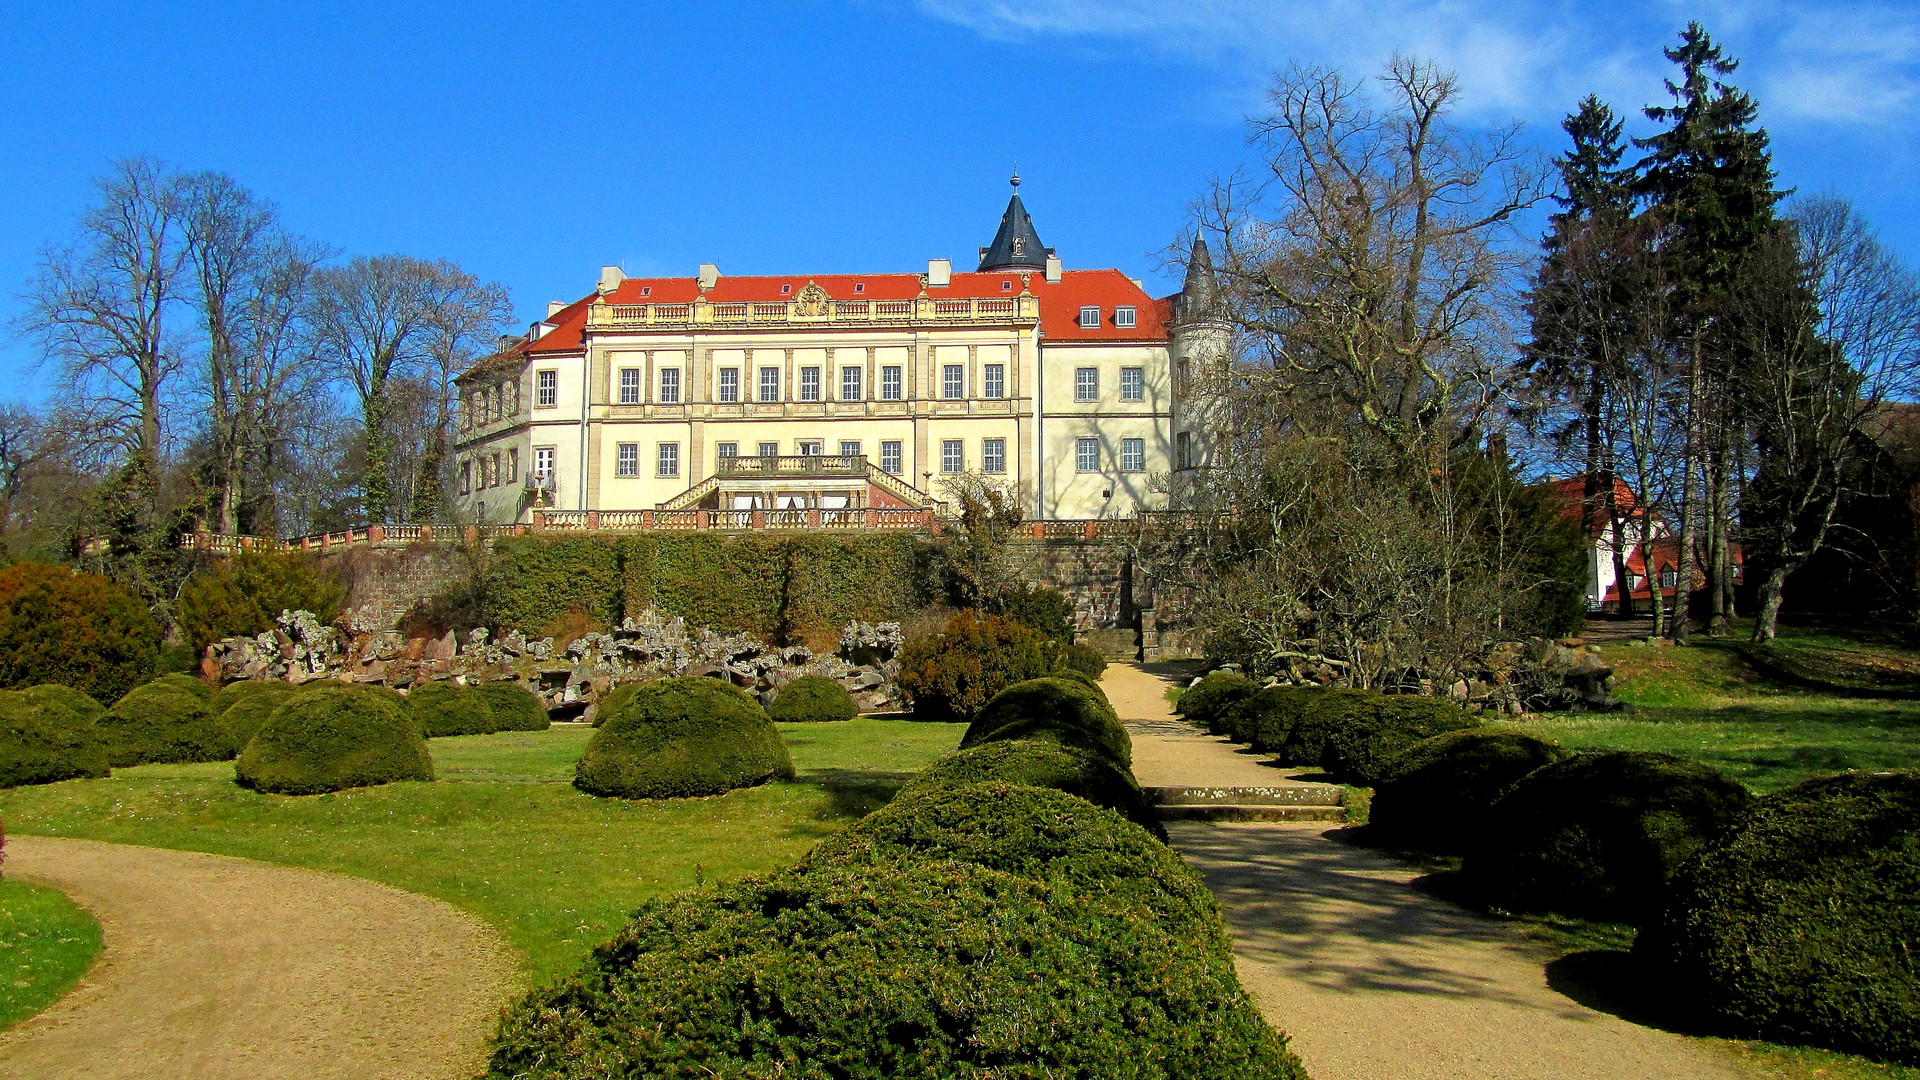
[[1573, 491], [1016, 246]]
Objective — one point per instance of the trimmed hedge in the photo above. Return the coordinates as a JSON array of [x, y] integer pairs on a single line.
[[1800, 925], [683, 737], [617, 698], [1084, 659], [447, 708], [1358, 751], [903, 953], [64, 697], [330, 738], [43, 741], [1042, 764], [1438, 795], [246, 712], [1599, 835], [1053, 710], [192, 684], [514, 707], [161, 723], [78, 630], [812, 698], [952, 675], [1264, 719], [1081, 677], [1205, 702], [1319, 717]]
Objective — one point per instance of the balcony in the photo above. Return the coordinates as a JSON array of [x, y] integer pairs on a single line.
[[793, 466], [810, 312]]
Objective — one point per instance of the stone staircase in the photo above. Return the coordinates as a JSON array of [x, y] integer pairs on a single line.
[[1288, 802]]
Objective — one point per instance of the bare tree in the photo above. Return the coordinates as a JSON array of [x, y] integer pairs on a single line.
[[466, 318]]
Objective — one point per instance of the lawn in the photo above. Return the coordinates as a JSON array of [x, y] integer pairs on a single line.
[[503, 834], [46, 944]]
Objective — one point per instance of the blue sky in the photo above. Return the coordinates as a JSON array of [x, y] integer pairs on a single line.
[[533, 143]]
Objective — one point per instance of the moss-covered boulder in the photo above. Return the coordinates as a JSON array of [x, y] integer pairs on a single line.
[[513, 706], [242, 713], [1053, 710], [161, 723], [811, 698], [1206, 701], [448, 708], [1040, 763], [330, 738], [1599, 835], [44, 741], [683, 737], [192, 684], [1438, 795], [65, 697], [1359, 749], [1801, 924]]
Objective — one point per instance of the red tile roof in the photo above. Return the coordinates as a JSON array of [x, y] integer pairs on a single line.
[[1060, 302], [1573, 491]]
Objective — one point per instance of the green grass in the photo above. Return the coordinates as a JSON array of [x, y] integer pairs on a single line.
[[46, 944], [503, 834]]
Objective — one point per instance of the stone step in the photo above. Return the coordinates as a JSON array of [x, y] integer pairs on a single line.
[[1277, 795], [1268, 812]]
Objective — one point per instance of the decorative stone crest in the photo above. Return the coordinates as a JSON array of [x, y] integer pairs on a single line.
[[812, 301]]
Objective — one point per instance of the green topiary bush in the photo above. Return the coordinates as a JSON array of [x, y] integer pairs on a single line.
[[618, 698], [925, 969], [161, 723], [448, 708], [64, 697], [1053, 710], [1205, 702], [683, 737], [1598, 835], [1358, 750], [1319, 716], [77, 630], [192, 684], [514, 707], [813, 698], [1081, 677], [44, 741], [330, 738], [1084, 659], [1264, 719], [1800, 925], [952, 675], [241, 713], [1038, 763], [1438, 795]]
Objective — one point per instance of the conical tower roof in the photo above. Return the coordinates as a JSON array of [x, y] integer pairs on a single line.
[[1199, 292], [1016, 246]]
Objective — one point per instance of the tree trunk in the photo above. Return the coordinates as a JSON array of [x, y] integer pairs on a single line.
[[376, 481], [1689, 495], [1768, 616]]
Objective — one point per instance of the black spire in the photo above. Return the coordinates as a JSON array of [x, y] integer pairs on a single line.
[[1016, 246]]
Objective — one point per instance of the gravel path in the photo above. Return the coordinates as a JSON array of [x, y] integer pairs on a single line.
[[216, 967], [1371, 977]]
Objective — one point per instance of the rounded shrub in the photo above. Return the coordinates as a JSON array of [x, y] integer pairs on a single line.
[[952, 675], [44, 741], [161, 723], [192, 684], [1264, 719], [1799, 926], [1037, 763], [330, 738], [1438, 794], [683, 737], [78, 630], [447, 708], [927, 968], [514, 707], [1204, 702], [1358, 750], [242, 713], [1077, 676], [1053, 710], [1599, 835], [1318, 717], [64, 697], [1082, 658], [813, 698], [617, 698]]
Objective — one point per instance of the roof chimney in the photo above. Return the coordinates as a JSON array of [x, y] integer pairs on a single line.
[[554, 307], [610, 279], [1053, 268], [709, 274], [939, 272]]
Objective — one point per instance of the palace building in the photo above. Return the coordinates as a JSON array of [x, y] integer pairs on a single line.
[[840, 392]]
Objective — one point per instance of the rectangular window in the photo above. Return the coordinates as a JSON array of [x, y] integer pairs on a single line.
[[513, 466], [953, 382], [626, 459], [993, 455], [1133, 384], [769, 449], [1183, 450], [543, 462], [809, 384], [1086, 384], [890, 457], [993, 381], [890, 384], [727, 449], [1090, 317], [1133, 455], [953, 455], [670, 386], [629, 386], [769, 384], [849, 448], [1086, 455], [669, 459], [850, 383], [546, 392], [493, 470], [1123, 316], [466, 477], [729, 384], [809, 447], [513, 398], [1669, 579]]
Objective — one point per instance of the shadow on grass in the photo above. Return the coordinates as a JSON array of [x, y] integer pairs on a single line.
[[853, 793], [1612, 982]]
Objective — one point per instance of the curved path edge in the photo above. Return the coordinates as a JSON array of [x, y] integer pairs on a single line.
[[217, 967]]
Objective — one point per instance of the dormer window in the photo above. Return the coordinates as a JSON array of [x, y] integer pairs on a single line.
[[859, 286], [646, 290], [1089, 317], [1123, 316], [785, 289], [1006, 286]]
